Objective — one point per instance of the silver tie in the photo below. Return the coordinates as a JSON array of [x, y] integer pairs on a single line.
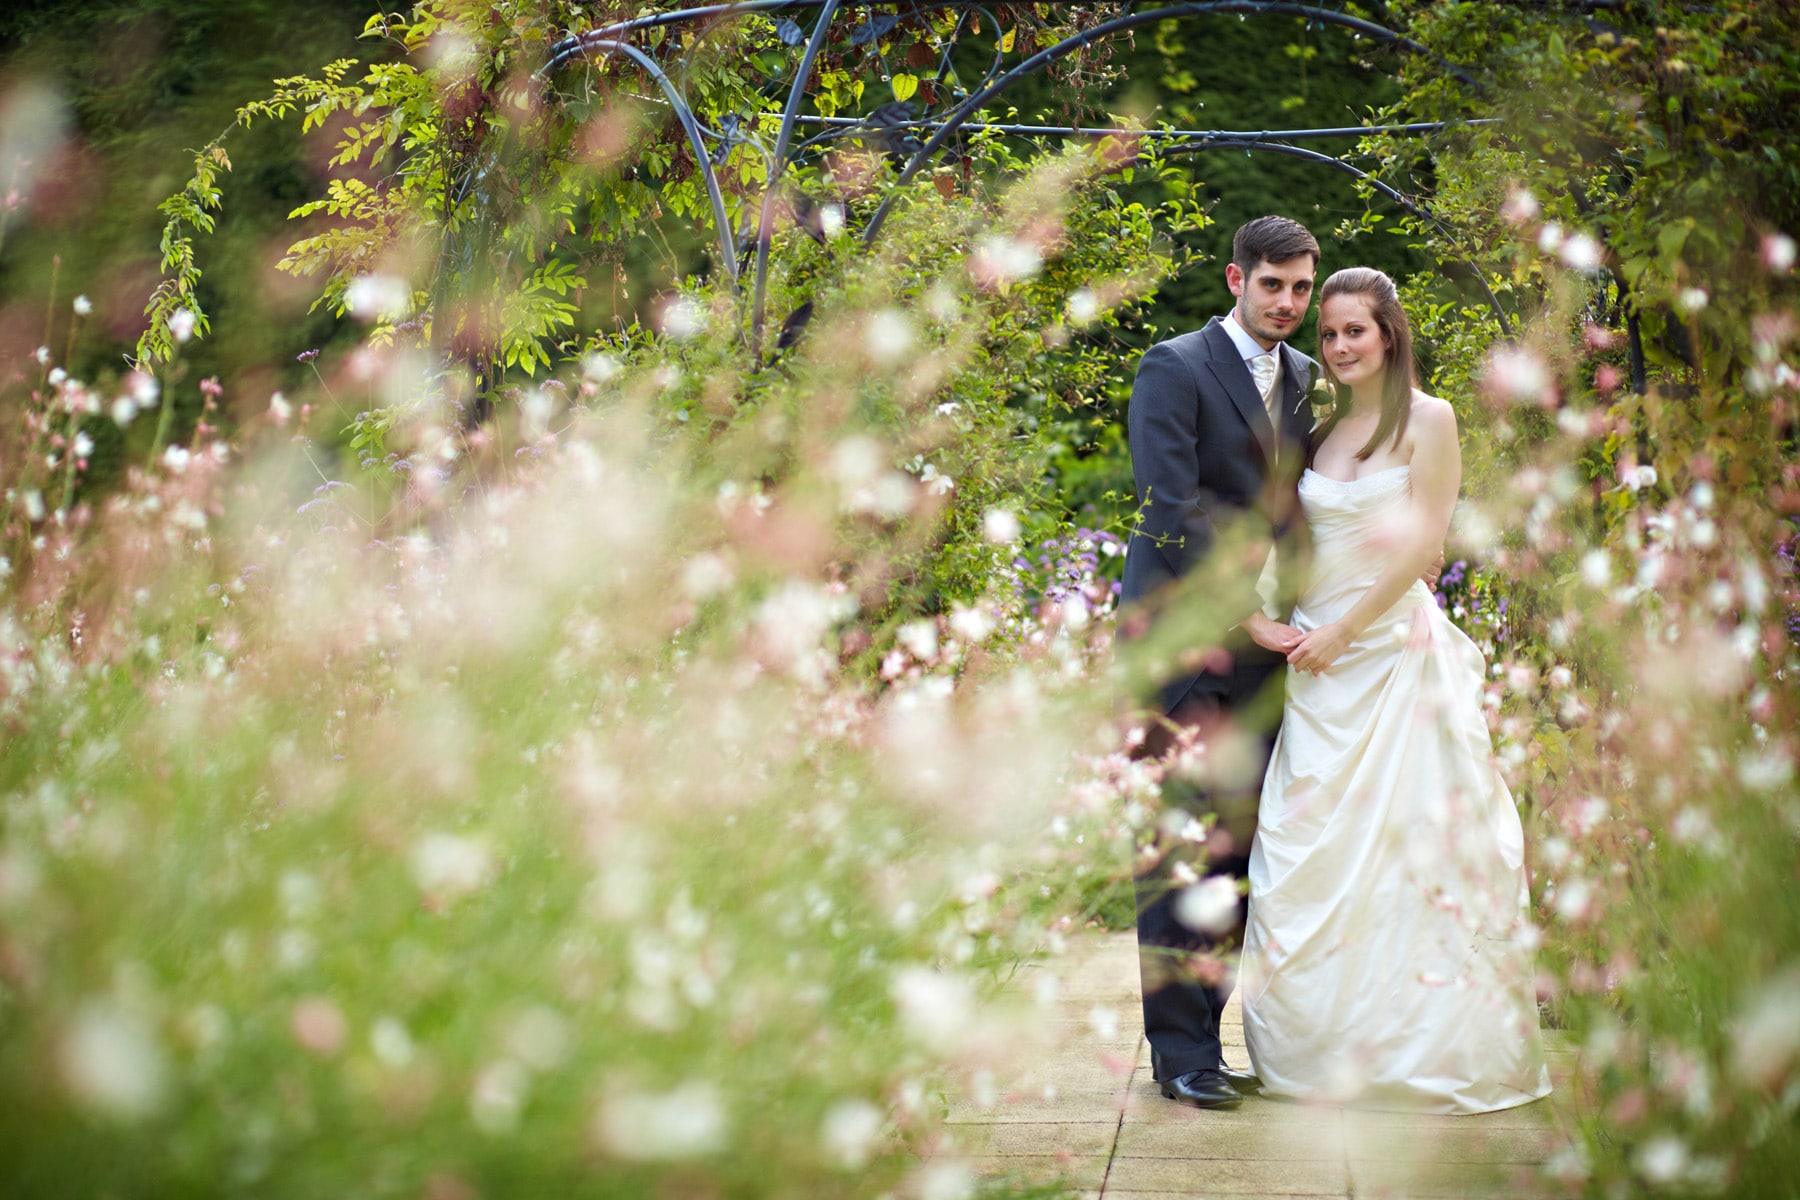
[[1262, 369]]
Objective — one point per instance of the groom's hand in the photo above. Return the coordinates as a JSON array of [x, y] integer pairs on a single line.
[[1271, 634]]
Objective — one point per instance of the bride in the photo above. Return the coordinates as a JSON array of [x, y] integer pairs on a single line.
[[1385, 961]]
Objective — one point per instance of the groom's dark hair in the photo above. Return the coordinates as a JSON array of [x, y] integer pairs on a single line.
[[1271, 240]]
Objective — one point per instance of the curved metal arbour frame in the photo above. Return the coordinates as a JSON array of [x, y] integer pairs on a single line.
[[710, 145]]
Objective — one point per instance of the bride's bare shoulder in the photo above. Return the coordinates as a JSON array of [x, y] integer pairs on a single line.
[[1432, 413]]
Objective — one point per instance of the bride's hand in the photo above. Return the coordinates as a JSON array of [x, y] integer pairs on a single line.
[[1271, 634], [1317, 650]]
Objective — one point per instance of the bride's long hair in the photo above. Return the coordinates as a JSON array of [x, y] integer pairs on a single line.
[[1397, 383]]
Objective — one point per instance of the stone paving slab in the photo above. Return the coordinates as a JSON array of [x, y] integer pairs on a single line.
[[1049, 1139], [1087, 1114], [1253, 1176]]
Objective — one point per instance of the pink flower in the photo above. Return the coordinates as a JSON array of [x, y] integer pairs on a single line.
[[319, 1026]]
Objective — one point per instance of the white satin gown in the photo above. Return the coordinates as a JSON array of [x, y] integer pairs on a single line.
[[1384, 964]]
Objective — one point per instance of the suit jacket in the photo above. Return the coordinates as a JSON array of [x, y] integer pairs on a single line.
[[1203, 456]]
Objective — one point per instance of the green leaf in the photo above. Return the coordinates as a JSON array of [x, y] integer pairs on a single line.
[[1671, 238], [905, 86]]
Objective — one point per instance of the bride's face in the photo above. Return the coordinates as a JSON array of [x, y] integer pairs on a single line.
[[1350, 341]]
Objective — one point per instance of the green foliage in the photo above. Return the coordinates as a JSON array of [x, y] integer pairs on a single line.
[[1636, 191]]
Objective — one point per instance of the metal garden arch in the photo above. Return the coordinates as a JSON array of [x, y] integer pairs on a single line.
[[940, 129]]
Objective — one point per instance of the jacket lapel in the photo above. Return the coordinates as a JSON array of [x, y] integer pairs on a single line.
[[1296, 406], [1229, 368]]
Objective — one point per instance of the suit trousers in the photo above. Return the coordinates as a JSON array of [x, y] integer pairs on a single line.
[[1187, 974]]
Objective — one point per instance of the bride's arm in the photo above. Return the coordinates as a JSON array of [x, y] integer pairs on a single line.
[[1418, 535]]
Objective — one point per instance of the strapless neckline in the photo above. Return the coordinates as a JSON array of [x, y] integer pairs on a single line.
[[1360, 478]]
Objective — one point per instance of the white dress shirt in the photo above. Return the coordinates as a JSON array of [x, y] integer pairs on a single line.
[[1250, 348]]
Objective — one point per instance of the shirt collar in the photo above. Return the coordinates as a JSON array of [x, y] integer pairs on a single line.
[[1240, 337]]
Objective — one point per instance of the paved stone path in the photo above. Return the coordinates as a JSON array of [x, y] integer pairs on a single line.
[[1087, 1112]]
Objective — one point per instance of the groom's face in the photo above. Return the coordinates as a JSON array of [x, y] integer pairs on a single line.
[[1272, 297]]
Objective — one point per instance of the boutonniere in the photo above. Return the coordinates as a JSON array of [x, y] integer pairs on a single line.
[[1321, 395]]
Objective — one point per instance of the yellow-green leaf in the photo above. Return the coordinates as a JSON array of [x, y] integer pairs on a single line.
[[1008, 38], [904, 86]]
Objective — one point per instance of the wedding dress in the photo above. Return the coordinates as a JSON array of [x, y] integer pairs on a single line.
[[1385, 963]]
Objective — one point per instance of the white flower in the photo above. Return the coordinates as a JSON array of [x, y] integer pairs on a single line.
[[42, 354], [999, 526], [1662, 1159], [448, 865], [682, 319], [600, 368], [856, 460], [1083, 306], [688, 1121], [705, 575], [123, 411], [84, 445], [919, 638], [1778, 253], [1518, 373], [1766, 1036], [176, 459], [1765, 770], [1075, 612], [831, 220], [934, 482], [181, 325], [935, 1007], [280, 411], [888, 336], [1210, 906], [537, 406], [391, 1044], [83, 306], [943, 1181], [57, 376], [1581, 253], [111, 1061], [375, 297], [538, 1037], [1692, 300], [1639, 478], [498, 1095], [1000, 260], [1550, 237], [1573, 899], [792, 621], [144, 389], [971, 624], [941, 302], [1521, 208], [849, 1132], [1568, 1165], [1596, 569]]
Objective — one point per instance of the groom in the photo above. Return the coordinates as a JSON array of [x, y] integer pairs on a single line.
[[1218, 424]]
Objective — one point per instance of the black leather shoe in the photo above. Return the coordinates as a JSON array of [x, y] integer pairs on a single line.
[[1203, 1089], [1245, 1083]]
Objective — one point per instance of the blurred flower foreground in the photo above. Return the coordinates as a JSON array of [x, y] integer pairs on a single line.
[[541, 848], [552, 751], [591, 802]]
